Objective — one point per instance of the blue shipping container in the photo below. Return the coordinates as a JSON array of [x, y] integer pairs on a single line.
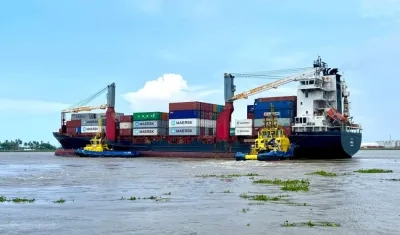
[[281, 113], [220, 108], [250, 108], [182, 114], [78, 130], [276, 104]]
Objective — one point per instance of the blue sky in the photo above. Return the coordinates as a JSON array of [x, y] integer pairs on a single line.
[[55, 53]]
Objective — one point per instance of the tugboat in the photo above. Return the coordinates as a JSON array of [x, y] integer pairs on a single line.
[[271, 144], [98, 148]]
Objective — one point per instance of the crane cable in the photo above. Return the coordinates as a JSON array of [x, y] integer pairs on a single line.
[[270, 74], [87, 100]]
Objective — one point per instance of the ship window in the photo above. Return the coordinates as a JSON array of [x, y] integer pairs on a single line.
[[304, 120], [306, 112], [303, 83], [312, 82], [301, 103], [306, 94]]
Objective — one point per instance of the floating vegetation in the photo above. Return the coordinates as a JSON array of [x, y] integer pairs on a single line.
[[61, 200], [392, 179], [310, 224], [323, 173], [373, 170], [227, 176], [155, 198], [261, 197], [287, 185], [227, 191], [16, 200], [167, 193], [244, 210]]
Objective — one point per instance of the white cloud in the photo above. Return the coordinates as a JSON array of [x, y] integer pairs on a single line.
[[156, 94], [31, 106]]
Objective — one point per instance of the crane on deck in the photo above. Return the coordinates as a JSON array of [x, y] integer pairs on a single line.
[[224, 119], [80, 106]]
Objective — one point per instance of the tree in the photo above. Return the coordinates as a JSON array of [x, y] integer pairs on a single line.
[[14, 145]]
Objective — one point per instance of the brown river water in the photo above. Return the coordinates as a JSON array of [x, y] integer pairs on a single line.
[[359, 203]]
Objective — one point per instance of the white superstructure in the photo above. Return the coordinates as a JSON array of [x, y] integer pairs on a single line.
[[322, 102]]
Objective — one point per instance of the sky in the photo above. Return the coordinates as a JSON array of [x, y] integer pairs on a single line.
[[56, 53]]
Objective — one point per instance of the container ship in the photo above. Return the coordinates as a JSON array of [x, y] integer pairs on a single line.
[[317, 120]]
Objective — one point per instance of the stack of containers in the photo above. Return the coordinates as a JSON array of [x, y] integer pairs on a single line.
[[193, 118], [244, 127], [285, 110], [73, 127], [91, 125], [150, 124], [125, 125]]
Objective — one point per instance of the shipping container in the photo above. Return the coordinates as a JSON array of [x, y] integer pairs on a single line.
[[220, 108], [243, 131], [206, 107], [125, 132], [279, 98], [103, 115], [184, 131], [250, 116], [148, 116], [164, 116], [215, 108], [73, 123], [92, 122], [150, 124], [149, 131], [215, 115], [79, 116], [184, 122], [184, 114], [92, 129], [276, 104], [126, 118], [78, 130], [281, 113], [125, 125], [244, 123], [71, 130], [250, 108], [232, 131], [184, 106], [281, 121]]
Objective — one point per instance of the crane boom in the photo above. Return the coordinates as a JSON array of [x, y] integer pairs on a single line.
[[275, 84], [79, 106]]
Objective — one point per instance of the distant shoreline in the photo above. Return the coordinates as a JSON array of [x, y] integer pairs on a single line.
[[27, 151], [380, 149]]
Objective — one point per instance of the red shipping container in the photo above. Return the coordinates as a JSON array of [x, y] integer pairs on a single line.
[[126, 118], [184, 106], [250, 115], [71, 130], [125, 132], [164, 116], [73, 123], [279, 98]]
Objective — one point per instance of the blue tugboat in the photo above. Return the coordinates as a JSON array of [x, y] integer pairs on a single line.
[[98, 148]]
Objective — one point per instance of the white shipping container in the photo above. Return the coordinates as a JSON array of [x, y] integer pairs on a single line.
[[281, 121], [244, 123], [214, 123], [92, 129], [92, 122], [79, 116], [209, 124], [189, 122], [125, 125], [243, 131], [202, 122], [150, 124], [184, 131], [149, 131]]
